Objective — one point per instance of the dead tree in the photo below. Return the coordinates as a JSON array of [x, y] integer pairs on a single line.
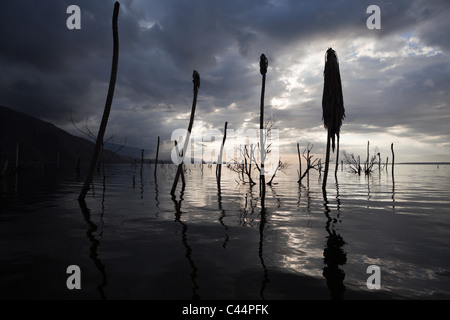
[[107, 110], [282, 166], [263, 65], [196, 81], [355, 165], [142, 162], [219, 159], [299, 172], [332, 105], [244, 168], [310, 163], [393, 158], [156, 159]]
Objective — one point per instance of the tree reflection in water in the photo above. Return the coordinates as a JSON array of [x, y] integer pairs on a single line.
[[90, 233], [184, 238], [333, 252]]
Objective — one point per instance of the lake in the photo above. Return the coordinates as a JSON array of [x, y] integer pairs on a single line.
[[136, 242]]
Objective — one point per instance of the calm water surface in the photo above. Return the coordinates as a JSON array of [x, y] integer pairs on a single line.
[[210, 243]]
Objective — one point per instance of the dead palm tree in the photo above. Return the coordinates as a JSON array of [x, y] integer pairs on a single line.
[[332, 104]]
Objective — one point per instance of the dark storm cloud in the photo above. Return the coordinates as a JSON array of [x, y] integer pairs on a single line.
[[52, 72]]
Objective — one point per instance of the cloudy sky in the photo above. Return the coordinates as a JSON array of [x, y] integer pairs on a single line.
[[396, 81]]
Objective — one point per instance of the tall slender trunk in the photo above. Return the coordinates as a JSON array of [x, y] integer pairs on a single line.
[[337, 158], [17, 156], [379, 162], [327, 160], [299, 163], [156, 159], [367, 161], [262, 179], [196, 80], [142, 162], [393, 158], [220, 160], [107, 110]]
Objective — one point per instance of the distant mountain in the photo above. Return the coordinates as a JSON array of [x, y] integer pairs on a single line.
[[42, 143], [124, 150]]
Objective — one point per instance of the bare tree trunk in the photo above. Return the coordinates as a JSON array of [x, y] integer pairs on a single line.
[[156, 160], [196, 81], [392, 150], [262, 177], [142, 162], [359, 165], [107, 110], [366, 167], [263, 65], [319, 167], [308, 160], [299, 163], [219, 160], [327, 160], [274, 173], [379, 162], [17, 156], [337, 158]]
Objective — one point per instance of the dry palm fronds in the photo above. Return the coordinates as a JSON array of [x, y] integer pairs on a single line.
[[333, 111], [332, 100]]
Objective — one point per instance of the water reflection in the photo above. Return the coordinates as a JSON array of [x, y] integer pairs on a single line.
[[142, 186], [276, 197], [184, 240], [247, 220], [262, 226], [333, 253], [222, 214], [156, 196], [393, 192], [94, 248], [246, 217]]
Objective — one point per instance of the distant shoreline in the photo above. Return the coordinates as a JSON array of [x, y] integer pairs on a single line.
[[425, 163]]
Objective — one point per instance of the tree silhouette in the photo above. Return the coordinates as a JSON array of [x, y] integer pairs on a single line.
[[196, 81], [107, 110], [332, 104]]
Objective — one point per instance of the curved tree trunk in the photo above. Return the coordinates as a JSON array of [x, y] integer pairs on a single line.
[[156, 159], [107, 110], [196, 81], [337, 158], [327, 161]]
